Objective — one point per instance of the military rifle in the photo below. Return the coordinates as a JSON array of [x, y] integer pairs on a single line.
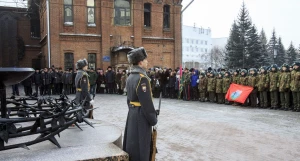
[[153, 149]]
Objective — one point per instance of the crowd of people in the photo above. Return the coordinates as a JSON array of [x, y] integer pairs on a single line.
[[273, 87], [55, 81]]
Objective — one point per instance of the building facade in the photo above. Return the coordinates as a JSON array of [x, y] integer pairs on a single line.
[[103, 31], [19, 38], [196, 45]]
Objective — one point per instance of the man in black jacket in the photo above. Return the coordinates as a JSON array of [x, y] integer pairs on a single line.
[[56, 81], [110, 79], [37, 80]]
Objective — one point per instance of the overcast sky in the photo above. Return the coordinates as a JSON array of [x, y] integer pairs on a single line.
[[283, 15]]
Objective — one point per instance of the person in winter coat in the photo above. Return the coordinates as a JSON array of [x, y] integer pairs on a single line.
[[46, 80], [226, 84], [123, 82], [141, 115], [171, 85], [219, 88], [27, 86], [118, 82], [92, 79], [202, 87], [194, 85], [211, 87], [110, 80], [101, 81], [56, 81], [37, 81], [252, 82]]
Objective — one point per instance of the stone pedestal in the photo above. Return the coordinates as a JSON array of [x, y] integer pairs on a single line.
[[104, 142]]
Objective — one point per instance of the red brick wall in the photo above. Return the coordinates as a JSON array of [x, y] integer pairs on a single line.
[[162, 52]]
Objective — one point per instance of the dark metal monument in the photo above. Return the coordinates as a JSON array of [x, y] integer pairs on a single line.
[[42, 116]]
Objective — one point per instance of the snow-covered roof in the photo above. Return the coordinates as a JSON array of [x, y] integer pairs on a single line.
[[14, 3]]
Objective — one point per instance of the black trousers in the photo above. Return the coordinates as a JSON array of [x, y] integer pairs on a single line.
[[195, 93], [37, 89], [110, 88]]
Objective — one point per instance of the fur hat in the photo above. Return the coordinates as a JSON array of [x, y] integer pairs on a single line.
[[81, 63], [137, 55]]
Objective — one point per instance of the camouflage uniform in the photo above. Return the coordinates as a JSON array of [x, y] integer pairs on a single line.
[[284, 87], [244, 81], [186, 88], [202, 86], [236, 80], [263, 87], [295, 86], [252, 82], [211, 87], [274, 75], [219, 88], [226, 84]]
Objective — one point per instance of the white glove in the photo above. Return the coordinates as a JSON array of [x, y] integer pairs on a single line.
[[92, 102], [197, 80]]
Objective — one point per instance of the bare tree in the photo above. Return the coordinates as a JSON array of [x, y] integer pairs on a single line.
[[217, 57]]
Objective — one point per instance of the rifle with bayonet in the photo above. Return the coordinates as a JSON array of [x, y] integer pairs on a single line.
[[153, 149]]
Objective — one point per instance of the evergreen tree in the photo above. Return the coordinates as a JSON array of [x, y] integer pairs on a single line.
[[233, 50], [236, 53], [291, 54], [271, 46], [253, 48], [280, 58], [263, 58]]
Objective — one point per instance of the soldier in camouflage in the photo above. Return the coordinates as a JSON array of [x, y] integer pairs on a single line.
[[219, 88], [236, 80], [284, 87], [274, 77], [244, 81], [263, 87], [252, 82], [202, 86], [186, 83], [211, 87], [226, 84], [295, 86]]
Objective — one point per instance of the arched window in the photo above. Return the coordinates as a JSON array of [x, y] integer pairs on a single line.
[[91, 11], [68, 10], [147, 15], [166, 19], [122, 12]]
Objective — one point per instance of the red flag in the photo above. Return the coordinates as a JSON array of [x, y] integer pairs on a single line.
[[238, 93]]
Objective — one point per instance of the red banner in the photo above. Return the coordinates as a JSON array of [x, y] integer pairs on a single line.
[[238, 93]]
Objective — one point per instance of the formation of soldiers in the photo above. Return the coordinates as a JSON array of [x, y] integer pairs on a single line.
[[273, 87], [55, 81]]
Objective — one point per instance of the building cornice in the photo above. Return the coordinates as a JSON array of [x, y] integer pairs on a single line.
[[79, 35], [158, 38]]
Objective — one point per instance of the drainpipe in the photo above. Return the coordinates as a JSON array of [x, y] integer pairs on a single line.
[[48, 34], [182, 30]]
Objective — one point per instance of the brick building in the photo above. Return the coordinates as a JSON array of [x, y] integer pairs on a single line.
[[103, 31], [19, 38]]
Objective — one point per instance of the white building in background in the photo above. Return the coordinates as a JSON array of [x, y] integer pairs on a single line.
[[196, 47]]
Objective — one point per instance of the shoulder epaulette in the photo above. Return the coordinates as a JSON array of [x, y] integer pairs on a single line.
[[142, 75]]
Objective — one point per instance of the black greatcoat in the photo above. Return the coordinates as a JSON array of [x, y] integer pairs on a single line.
[[137, 135]]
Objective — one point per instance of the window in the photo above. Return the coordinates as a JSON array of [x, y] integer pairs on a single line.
[[35, 28], [69, 60], [205, 42], [192, 41], [68, 9], [91, 11], [201, 41], [147, 15], [92, 60], [122, 12], [205, 50], [192, 49], [201, 49], [166, 22]]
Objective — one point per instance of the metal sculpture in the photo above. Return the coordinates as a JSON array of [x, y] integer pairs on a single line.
[[47, 116]]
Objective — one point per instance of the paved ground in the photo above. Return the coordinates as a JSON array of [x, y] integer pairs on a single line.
[[205, 131]]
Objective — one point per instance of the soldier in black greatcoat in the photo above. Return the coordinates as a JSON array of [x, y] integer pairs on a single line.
[[83, 86], [37, 80], [141, 115]]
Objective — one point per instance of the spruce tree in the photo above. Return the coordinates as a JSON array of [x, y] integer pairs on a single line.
[[253, 48], [271, 46], [233, 50], [280, 58], [263, 59], [291, 54]]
